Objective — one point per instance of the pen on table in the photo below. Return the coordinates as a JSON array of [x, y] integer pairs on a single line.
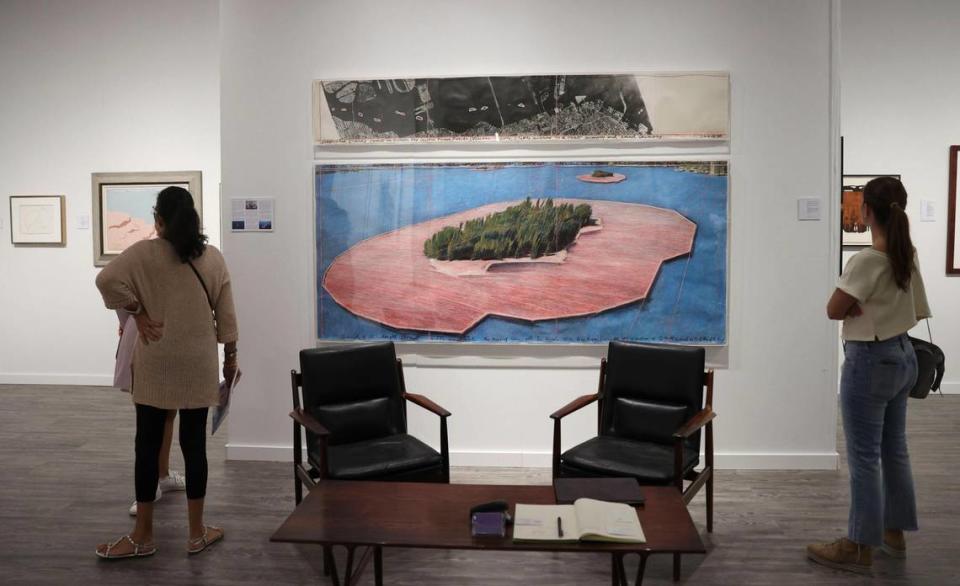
[[559, 527]]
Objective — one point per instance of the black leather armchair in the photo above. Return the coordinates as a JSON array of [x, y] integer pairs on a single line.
[[651, 410], [355, 416]]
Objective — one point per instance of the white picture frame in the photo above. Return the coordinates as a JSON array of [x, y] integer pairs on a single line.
[[674, 106], [132, 196], [38, 220]]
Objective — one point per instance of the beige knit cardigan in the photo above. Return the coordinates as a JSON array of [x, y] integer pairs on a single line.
[[180, 371]]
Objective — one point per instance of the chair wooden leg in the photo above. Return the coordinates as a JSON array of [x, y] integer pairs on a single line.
[[676, 567], [555, 459], [713, 469], [297, 488], [710, 503], [378, 566]]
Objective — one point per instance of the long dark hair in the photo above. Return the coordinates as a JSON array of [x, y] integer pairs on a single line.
[[887, 199], [181, 223]]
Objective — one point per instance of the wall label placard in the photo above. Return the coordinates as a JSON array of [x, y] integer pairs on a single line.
[[251, 214]]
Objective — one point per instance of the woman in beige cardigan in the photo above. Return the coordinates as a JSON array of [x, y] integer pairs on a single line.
[[171, 284]]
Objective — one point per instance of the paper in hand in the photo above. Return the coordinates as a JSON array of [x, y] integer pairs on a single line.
[[221, 410]]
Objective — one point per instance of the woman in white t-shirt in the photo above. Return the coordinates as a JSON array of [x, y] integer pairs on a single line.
[[880, 296]]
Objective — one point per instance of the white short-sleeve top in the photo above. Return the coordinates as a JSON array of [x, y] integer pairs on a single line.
[[888, 311]]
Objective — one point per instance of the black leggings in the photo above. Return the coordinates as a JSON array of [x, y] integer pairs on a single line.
[[193, 438]]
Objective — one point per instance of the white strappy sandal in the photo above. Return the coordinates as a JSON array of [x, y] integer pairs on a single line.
[[195, 546], [140, 550]]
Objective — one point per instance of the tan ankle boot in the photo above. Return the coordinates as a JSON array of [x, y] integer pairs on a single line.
[[842, 554], [894, 544]]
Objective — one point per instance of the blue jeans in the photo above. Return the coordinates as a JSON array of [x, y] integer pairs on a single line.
[[874, 386]]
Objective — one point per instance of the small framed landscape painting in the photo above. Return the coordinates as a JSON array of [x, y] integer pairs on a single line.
[[123, 207], [38, 220], [854, 231], [953, 221]]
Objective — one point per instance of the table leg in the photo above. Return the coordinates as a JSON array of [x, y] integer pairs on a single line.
[[619, 574], [332, 568], [367, 553], [327, 554], [641, 569], [348, 571], [676, 567], [354, 565], [378, 566]]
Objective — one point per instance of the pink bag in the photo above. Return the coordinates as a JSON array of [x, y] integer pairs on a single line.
[[123, 371]]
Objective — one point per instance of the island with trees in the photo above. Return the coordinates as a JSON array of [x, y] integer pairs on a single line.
[[533, 228]]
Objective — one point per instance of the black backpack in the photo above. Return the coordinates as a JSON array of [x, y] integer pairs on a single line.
[[930, 366]]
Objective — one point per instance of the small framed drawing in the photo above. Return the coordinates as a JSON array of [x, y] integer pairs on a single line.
[[854, 231], [123, 207], [953, 219], [38, 220]]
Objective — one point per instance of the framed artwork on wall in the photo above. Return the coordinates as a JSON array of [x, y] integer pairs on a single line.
[[523, 252], [855, 232], [123, 207], [953, 218], [38, 220], [677, 106]]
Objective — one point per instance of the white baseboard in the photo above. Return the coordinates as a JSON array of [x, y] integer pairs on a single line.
[[775, 461], [725, 461], [950, 388], [501, 459], [248, 452], [35, 378]]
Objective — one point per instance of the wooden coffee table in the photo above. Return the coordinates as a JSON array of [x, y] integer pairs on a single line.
[[374, 515]]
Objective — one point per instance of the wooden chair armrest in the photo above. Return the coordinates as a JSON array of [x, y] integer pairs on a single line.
[[307, 420], [696, 422], [578, 403], [426, 404]]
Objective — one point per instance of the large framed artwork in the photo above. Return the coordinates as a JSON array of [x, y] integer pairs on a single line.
[[953, 219], [855, 232], [123, 207], [674, 106], [533, 252], [38, 220]]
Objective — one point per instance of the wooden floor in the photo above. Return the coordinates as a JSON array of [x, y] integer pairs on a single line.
[[66, 456]]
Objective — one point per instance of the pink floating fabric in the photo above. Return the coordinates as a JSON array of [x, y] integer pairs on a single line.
[[389, 280], [614, 178]]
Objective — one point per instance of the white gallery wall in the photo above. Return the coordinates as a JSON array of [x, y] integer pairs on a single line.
[[776, 392], [900, 114], [102, 86]]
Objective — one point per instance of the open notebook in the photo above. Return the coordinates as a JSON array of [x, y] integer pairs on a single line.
[[584, 520]]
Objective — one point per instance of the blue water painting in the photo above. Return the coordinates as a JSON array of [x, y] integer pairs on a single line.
[[687, 303]]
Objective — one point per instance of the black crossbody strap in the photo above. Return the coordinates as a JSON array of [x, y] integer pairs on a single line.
[[202, 284]]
